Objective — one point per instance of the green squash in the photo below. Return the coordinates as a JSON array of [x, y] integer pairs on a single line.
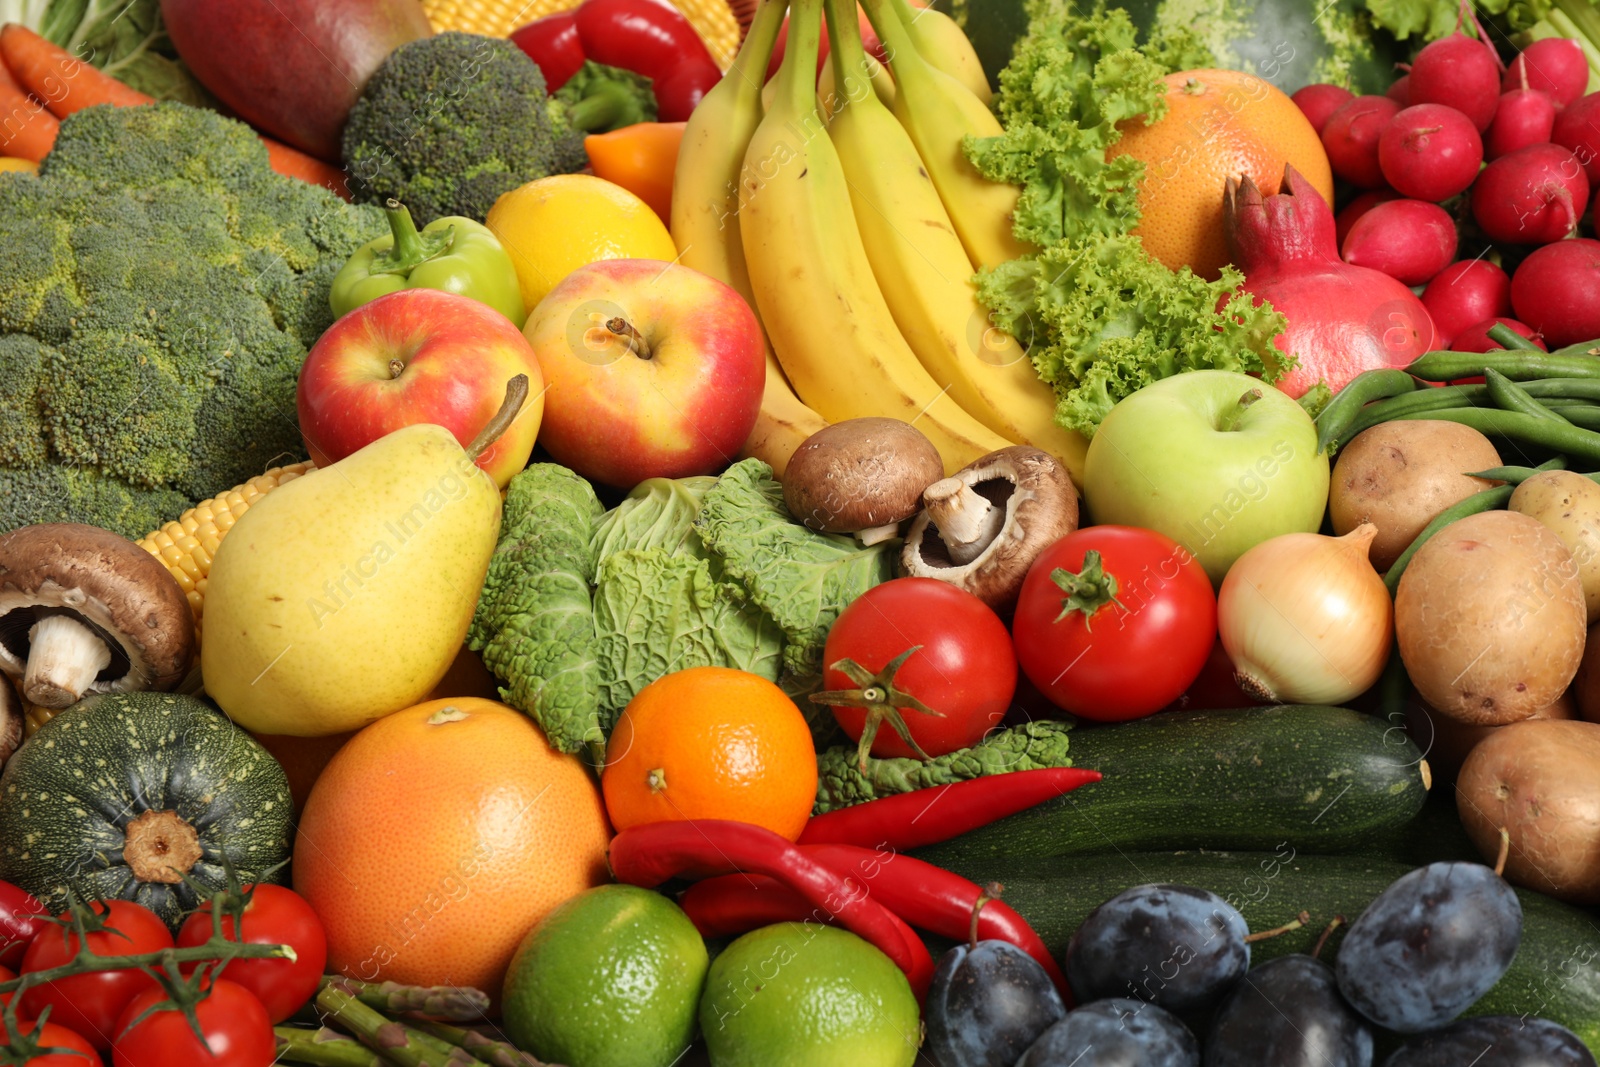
[[118, 793], [1290, 43]]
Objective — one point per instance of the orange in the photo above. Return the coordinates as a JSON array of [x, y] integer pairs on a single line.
[[711, 743], [438, 836], [1220, 124]]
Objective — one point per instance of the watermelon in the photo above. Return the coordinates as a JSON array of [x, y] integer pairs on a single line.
[[1290, 43]]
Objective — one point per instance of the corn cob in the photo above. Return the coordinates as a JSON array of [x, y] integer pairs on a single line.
[[33, 717], [713, 19], [187, 546]]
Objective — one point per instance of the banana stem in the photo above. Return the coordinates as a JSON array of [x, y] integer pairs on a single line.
[[797, 85], [911, 72], [849, 53], [750, 65]]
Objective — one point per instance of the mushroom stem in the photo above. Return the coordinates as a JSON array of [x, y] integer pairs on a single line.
[[874, 535], [11, 719], [967, 522], [63, 657]]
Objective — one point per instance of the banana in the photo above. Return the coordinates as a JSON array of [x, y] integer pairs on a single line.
[[946, 46], [833, 93], [705, 220], [924, 273], [826, 316], [938, 111]]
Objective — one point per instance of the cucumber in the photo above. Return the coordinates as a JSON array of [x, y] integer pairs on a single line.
[[1323, 779], [1556, 973]]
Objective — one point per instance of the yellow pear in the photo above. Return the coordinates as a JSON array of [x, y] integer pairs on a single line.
[[345, 595]]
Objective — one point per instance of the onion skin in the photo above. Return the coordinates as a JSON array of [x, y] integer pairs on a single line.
[[1305, 619]]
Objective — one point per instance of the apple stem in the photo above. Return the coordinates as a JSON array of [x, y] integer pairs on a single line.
[[516, 393], [396, 368], [1230, 417], [624, 329]]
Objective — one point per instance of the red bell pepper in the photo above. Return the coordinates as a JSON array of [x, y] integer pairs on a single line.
[[898, 822], [648, 37]]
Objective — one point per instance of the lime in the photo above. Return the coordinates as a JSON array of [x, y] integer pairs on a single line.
[[806, 995], [608, 979]]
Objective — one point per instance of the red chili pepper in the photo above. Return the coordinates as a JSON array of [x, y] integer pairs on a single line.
[[699, 848], [733, 904], [652, 38], [553, 43], [938, 813]]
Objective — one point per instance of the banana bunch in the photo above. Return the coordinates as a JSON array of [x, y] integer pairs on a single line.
[[853, 224]]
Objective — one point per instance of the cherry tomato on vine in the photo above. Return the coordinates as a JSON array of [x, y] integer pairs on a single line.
[[274, 915], [74, 1050], [90, 1003], [21, 916], [920, 655], [238, 1032], [1114, 622]]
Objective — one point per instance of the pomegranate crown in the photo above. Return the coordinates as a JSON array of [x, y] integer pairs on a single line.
[[1293, 225]]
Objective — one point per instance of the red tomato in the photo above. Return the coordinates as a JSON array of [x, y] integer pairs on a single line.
[[238, 1032], [964, 669], [90, 1003], [274, 916], [76, 1051], [1110, 660], [1214, 686], [21, 916]]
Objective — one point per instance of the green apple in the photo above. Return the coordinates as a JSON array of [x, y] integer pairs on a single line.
[[1217, 461]]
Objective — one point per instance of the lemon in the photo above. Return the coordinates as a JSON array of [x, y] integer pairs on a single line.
[[608, 979], [555, 225], [807, 995]]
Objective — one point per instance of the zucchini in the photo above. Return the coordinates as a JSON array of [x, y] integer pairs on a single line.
[[1324, 779], [1556, 973]]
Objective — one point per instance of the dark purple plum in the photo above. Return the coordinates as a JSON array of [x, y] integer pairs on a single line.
[[1288, 1013], [1495, 1041], [987, 1004], [1120, 1032]]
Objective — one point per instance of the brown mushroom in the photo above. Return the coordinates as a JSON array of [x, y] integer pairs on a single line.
[[12, 719], [85, 611], [861, 476], [982, 527]]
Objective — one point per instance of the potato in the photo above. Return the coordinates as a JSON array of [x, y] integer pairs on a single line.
[[1400, 475], [1541, 781], [1569, 504], [1586, 686], [1446, 742], [1489, 617]]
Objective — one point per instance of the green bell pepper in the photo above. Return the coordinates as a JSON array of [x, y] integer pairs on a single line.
[[451, 254]]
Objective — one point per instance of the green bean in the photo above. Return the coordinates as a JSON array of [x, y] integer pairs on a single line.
[[1572, 441], [1509, 396], [1563, 388], [1488, 500], [1580, 350], [1363, 389], [1578, 413], [1518, 366], [1415, 405], [1510, 339], [1517, 475]]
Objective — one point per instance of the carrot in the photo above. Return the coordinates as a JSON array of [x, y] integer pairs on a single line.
[[60, 79], [640, 158], [293, 163], [27, 129]]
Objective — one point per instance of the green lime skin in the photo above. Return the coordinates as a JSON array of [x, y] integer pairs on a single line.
[[609, 979], [807, 995]]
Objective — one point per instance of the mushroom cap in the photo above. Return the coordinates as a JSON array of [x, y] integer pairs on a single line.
[[1041, 507], [109, 584], [860, 473]]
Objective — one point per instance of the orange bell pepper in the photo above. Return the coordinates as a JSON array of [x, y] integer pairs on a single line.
[[641, 159]]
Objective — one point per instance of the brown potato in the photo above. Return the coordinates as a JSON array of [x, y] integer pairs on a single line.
[[1586, 686], [1400, 475], [1541, 782], [1569, 504], [1446, 742], [1489, 617]]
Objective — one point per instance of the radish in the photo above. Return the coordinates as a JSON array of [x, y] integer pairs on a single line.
[[1557, 291], [1317, 102], [1409, 240], [1342, 320], [1533, 196], [1430, 152], [1464, 294], [1475, 338], [1351, 139], [1577, 129], [1526, 117], [1555, 65], [1461, 73], [1358, 207], [1400, 91]]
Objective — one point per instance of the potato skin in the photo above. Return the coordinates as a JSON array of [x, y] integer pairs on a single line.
[[1447, 742], [1400, 475], [1489, 617], [1569, 504], [1541, 781]]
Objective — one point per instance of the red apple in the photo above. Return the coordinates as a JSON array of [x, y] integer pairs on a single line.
[[418, 355], [654, 370]]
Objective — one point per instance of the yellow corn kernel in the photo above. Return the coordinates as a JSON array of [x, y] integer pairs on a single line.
[[713, 20]]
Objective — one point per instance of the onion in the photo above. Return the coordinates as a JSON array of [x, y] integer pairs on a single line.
[[1305, 619]]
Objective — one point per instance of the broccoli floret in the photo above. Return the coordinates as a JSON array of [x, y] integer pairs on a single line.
[[159, 288], [595, 99]]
